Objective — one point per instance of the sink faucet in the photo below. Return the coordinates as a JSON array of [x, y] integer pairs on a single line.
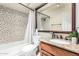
[[53, 35]]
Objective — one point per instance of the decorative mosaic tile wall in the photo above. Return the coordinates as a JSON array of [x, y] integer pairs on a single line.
[[12, 25]]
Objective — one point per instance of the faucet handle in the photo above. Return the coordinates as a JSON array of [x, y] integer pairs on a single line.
[[66, 38], [61, 37]]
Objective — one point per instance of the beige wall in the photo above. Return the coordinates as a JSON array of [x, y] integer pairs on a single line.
[[59, 15], [77, 16]]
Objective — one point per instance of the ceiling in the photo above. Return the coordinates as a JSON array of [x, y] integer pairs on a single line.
[[32, 5], [51, 6], [18, 7]]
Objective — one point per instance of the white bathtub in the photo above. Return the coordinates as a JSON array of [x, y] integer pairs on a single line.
[[12, 49]]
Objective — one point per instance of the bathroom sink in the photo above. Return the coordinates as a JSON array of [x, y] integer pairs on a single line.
[[60, 41]]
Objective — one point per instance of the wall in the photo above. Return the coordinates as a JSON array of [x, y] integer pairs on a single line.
[[45, 35], [77, 16], [12, 25]]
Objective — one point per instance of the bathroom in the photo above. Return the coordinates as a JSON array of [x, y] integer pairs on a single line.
[[29, 29]]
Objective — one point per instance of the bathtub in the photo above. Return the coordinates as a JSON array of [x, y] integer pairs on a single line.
[[28, 50], [13, 49]]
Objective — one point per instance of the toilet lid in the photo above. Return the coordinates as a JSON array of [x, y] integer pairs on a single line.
[[29, 48]]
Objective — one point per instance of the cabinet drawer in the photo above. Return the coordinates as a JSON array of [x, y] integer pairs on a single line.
[[56, 50], [45, 53]]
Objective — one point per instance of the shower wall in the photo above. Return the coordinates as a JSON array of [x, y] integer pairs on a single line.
[[12, 25]]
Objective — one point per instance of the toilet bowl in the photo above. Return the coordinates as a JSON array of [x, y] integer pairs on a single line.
[[31, 48]]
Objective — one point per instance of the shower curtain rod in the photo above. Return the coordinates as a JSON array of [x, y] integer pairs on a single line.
[[41, 6], [36, 9], [26, 6]]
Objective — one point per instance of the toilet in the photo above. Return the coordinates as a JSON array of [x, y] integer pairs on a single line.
[[31, 49]]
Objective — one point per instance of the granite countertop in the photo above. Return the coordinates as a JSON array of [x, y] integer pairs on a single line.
[[70, 47]]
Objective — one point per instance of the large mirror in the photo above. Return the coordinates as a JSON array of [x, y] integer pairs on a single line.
[[55, 17]]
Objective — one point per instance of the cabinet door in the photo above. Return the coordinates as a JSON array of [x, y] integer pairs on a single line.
[[46, 53], [56, 50]]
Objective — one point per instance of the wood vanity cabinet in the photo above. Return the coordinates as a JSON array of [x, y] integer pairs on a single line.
[[47, 49]]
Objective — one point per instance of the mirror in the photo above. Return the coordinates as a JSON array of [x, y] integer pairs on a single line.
[[55, 17]]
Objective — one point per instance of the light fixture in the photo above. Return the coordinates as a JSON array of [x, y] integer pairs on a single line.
[[58, 5]]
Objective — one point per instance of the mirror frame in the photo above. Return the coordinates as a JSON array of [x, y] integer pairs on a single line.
[[73, 21]]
